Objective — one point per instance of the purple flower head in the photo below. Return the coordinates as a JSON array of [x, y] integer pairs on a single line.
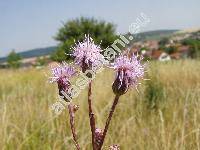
[[61, 75], [128, 72], [87, 54]]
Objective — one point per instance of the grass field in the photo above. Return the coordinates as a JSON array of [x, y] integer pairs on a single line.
[[164, 115]]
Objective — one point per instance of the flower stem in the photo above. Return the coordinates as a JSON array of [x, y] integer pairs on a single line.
[[91, 115], [72, 125], [108, 120]]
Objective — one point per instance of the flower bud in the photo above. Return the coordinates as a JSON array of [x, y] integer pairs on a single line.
[[75, 108], [114, 147], [86, 67], [120, 85], [63, 87], [98, 136]]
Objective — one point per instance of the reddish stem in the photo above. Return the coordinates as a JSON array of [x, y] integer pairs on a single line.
[[108, 120], [72, 125], [91, 115]]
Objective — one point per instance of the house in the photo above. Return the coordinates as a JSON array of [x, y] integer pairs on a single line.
[[152, 44], [160, 55], [176, 55], [164, 57], [184, 51]]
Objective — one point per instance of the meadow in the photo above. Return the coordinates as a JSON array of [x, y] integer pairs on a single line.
[[164, 115]]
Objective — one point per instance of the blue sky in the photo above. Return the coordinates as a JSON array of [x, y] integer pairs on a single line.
[[27, 24]]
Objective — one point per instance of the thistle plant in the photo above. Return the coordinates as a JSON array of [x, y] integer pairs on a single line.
[[128, 72], [87, 56], [62, 75]]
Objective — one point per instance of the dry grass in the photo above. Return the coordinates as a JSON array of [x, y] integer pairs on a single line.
[[165, 115]]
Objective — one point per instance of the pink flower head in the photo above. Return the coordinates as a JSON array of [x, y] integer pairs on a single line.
[[128, 73], [61, 75], [87, 54]]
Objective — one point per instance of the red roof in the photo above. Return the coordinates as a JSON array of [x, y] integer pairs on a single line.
[[175, 55], [156, 54]]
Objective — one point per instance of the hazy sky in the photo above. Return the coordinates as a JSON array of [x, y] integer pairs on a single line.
[[27, 24]]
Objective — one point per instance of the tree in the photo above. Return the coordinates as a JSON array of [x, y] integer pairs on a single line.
[[194, 47], [170, 49], [75, 30], [163, 41], [13, 59]]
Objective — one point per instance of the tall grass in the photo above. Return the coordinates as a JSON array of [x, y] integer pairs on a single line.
[[171, 122]]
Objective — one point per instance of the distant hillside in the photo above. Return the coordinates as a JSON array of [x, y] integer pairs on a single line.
[[156, 35], [34, 53], [152, 35], [190, 30]]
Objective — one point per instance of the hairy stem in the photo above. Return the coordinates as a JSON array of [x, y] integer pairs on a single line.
[[91, 115], [72, 125], [108, 120]]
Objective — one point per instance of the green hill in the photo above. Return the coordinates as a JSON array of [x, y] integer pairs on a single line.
[[34, 53], [151, 35]]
